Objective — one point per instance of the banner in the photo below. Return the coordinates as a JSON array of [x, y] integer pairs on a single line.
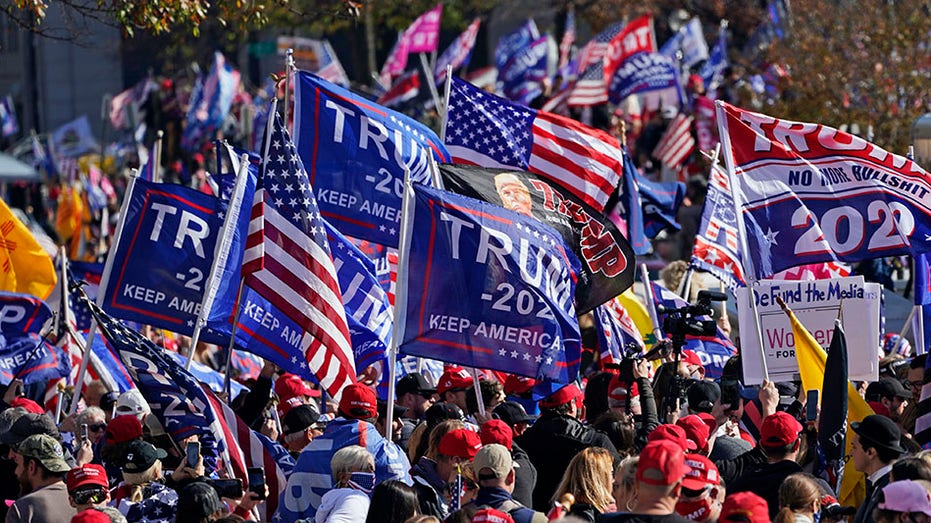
[[489, 288], [522, 77], [809, 193], [816, 304], [210, 102], [635, 37], [690, 40], [29, 358], [356, 154], [459, 53], [511, 43], [712, 72], [641, 73], [21, 314], [423, 35], [608, 267]]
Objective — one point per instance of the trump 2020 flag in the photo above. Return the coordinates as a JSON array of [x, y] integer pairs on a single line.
[[357, 154], [486, 130], [511, 43], [21, 314], [488, 288], [210, 102], [423, 35], [643, 72], [31, 359], [521, 80], [618, 337], [690, 40], [808, 193]]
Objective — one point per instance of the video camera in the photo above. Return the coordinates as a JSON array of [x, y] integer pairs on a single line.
[[685, 320]]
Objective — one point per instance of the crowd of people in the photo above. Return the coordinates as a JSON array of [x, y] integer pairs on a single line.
[[625, 444]]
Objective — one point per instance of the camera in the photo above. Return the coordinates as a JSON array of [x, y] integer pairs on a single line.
[[687, 321]]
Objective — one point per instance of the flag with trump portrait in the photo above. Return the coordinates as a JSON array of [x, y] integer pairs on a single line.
[[512, 280], [489, 131], [808, 193], [356, 155], [605, 254]]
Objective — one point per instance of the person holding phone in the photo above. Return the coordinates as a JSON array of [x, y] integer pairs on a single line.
[[143, 493]]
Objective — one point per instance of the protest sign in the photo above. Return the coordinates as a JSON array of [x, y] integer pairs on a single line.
[[816, 304]]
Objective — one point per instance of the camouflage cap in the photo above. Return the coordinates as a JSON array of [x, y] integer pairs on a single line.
[[46, 449]]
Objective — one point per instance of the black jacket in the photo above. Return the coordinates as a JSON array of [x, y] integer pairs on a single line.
[[865, 512], [764, 481], [731, 469], [525, 476], [551, 443]]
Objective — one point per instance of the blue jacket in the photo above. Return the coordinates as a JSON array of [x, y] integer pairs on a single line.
[[311, 477]]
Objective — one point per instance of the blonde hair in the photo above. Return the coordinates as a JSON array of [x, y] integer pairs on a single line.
[[138, 480], [90, 413], [796, 494], [588, 478], [350, 459]]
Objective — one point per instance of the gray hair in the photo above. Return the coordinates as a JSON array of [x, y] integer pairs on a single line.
[[351, 459], [90, 413]]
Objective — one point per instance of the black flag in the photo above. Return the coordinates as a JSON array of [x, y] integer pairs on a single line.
[[832, 427]]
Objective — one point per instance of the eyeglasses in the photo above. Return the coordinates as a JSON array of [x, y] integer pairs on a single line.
[[97, 427]]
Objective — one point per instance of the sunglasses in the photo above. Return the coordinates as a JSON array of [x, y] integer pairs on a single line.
[[97, 427]]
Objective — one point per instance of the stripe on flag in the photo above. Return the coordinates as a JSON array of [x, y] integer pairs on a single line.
[[677, 142]]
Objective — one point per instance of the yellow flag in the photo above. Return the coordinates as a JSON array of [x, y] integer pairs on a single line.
[[811, 360], [639, 315], [25, 267]]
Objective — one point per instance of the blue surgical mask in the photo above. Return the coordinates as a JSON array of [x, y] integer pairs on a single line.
[[364, 481]]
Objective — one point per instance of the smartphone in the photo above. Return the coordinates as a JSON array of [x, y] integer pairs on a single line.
[[228, 488], [84, 432], [193, 454], [256, 482], [811, 405]]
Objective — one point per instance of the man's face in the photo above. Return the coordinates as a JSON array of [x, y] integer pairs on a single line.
[[22, 473], [860, 458], [420, 402], [896, 408], [915, 379], [458, 397], [516, 197]]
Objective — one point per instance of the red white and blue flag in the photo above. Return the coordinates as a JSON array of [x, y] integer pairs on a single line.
[[590, 88], [489, 131], [717, 247], [618, 337], [287, 261], [404, 89], [568, 38], [459, 53]]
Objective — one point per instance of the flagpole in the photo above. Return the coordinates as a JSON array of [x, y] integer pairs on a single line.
[[479, 401], [651, 303], [288, 64], [428, 72], [220, 254], [446, 92], [229, 353], [920, 331], [156, 171], [400, 298], [102, 292], [746, 259]]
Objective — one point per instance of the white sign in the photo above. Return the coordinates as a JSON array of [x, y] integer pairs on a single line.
[[815, 304]]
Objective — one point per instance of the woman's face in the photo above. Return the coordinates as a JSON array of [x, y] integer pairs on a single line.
[[622, 495]]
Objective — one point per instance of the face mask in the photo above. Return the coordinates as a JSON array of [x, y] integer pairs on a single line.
[[364, 481], [695, 510], [818, 517]]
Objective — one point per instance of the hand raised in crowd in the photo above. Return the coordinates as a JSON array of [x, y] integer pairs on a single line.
[[643, 369], [270, 429], [13, 391], [769, 397], [85, 453], [184, 472]]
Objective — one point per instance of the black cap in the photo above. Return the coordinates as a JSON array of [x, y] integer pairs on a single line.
[[887, 388], [416, 383], [298, 419], [198, 500], [879, 431], [512, 413], [383, 410], [27, 425], [440, 412], [702, 396], [141, 455]]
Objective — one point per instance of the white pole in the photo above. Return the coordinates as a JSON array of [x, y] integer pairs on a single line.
[[157, 157], [428, 72], [288, 65], [102, 292], [478, 392], [746, 259], [446, 92]]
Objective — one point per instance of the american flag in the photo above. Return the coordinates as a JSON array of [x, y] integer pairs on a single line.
[[617, 334], [489, 131], [249, 449], [458, 53], [330, 67], [591, 88], [568, 38], [288, 261], [677, 142], [716, 248], [405, 88]]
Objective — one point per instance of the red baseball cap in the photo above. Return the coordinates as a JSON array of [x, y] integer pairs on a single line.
[[562, 396], [454, 378], [27, 404], [779, 430], [618, 389], [358, 402], [696, 432], [88, 474], [702, 472], [518, 385], [490, 515], [670, 432], [122, 429], [460, 443], [289, 386], [744, 507], [709, 420], [661, 463], [497, 431], [691, 357], [91, 515]]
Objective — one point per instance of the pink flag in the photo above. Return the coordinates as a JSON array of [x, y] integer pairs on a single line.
[[396, 61], [424, 34]]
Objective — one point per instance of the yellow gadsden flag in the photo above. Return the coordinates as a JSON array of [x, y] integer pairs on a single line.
[[25, 267], [811, 360]]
